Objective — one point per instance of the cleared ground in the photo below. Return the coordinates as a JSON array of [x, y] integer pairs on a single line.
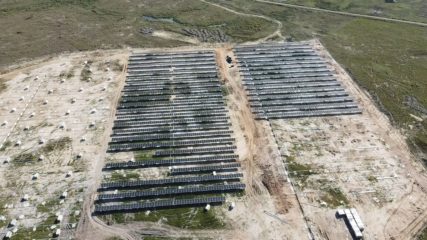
[[388, 60], [359, 161], [54, 118]]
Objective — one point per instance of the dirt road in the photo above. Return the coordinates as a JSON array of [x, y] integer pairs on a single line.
[[345, 13], [278, 23]]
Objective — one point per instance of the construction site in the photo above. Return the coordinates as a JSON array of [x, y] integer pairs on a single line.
[[267, 140]]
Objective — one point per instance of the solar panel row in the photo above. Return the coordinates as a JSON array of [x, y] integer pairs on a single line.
[[172, 103], [203, 169], [184, 135], [99, 209], [291, 80], [171, 162], [196, 151], [170, 192], [169, 181]]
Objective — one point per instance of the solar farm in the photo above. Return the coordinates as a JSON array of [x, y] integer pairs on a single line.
[[172, 107], [289, 81], [252, 141]]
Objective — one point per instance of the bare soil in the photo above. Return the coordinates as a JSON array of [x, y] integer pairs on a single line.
[[363, 156]]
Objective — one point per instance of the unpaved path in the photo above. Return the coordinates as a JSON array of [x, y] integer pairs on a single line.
[[89, 225], [344, 13], [279, 24]]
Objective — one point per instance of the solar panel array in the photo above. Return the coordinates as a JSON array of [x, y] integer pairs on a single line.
[[290, 80], [172, 105]]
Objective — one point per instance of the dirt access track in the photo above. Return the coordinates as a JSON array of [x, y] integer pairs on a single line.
[[363, 156]]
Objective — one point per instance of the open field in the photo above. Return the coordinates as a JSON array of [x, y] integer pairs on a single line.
[[53, 127], [359, 161], [387, 59], [48, 27], [415, 10]]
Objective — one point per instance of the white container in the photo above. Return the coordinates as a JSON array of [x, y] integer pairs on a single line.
[[355, 229], [357, 218], [64, 194], [340, 212], [208, 207], [59, 218], [13, 223], [25, 197]]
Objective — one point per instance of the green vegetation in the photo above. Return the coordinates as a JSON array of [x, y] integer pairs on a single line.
[[168, 238], [37, 28], [86, 73], [116, 176], [42, 230], [31, 157], [3, 212], [414, 10], [144, 155], [334, 197], [3, 85], [48, 206], [24, 158], [387, 59], [423, 235], [115, 238], [372, 179], [55, 145], [116, 66], [187, 218], [6, 145], [298, 170], [68, 74]]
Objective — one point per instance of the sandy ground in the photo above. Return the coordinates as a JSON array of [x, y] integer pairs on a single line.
[[35, 106], [363, 156], [269, 209]]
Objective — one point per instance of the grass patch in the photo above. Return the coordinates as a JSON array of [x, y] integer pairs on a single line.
[[37, 28], [372, 179], [299, 171], [6, 145], [168, 238], [31, 157], [24, 158], [116, 66], [116, 176], [186, 218], [68, 74], [334, 197], [3, 212], [144, 155], [42, 231], [116, 238], [3, 85], [423, 235], [414, 10], [55, 145], [48, 206], [86, 73]]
